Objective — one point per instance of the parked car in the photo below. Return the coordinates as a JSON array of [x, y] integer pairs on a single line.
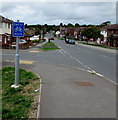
[[51, 38], [34, 37], [21, 42]]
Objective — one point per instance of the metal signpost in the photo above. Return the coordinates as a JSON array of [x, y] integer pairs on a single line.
[[17, 31]]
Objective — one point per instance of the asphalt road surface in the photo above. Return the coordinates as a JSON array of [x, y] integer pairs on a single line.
[[99, 61], [63, 93]]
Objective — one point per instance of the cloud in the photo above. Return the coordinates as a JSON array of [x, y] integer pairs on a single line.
[[57, 12]]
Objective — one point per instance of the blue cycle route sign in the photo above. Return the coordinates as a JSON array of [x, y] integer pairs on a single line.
[[18, 29]]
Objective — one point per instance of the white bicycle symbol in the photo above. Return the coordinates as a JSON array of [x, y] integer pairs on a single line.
[[18, 29]]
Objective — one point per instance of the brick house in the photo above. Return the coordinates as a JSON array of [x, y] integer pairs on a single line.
[[63, 30], [5, 32], [71, 32], [108, 30], [77, 33]]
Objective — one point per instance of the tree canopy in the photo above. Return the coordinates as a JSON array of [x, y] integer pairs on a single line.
[[91, 32]]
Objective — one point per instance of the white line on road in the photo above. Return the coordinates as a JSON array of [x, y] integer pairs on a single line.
[[61, 52], [8, 54], [104, 56], [89, 69], [76, 60]]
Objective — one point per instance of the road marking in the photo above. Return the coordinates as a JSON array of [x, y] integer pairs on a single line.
[[89, 69], [21, 61], [8, 54], [61, 52], [76, 60], [9, 60], [104, 56], [34, 51], [25, 62]]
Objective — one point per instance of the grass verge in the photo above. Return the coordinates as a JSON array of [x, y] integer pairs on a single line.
[[19, 103], [60, 38], [49, 46], [98, 45]]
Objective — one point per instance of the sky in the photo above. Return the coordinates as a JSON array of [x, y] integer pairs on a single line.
[[60, 12]]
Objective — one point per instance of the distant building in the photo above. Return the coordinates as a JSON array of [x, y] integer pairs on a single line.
[[5, 31], [108, 30], [77, 33], [63, 30]]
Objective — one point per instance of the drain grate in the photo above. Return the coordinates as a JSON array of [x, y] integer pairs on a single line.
[[85, 84]]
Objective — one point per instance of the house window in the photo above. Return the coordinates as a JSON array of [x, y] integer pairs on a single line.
[[0, 25], [5, 25], [9, 25]]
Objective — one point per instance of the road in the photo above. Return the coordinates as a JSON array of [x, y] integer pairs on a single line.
[[102, 62], [63, 96]]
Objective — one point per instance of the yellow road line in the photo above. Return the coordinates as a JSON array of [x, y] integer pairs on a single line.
[[25, 62], [35, 51], [21, 61]]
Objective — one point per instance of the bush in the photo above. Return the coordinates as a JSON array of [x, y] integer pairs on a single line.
[[35, 41]]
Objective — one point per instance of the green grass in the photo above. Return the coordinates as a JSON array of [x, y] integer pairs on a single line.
[[60, 38], [17, 103], [102, 46], [49, 46]]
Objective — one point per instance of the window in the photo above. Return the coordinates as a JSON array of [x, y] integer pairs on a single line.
[[0, 25], [9, 25], [5, 25]]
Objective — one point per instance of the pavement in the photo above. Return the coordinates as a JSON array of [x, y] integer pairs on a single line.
[[98, 48]]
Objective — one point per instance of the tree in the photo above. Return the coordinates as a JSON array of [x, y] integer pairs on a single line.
[[61, 24], [26, 26], [77, 25], [70, 25], [37, 33], [91, 32]]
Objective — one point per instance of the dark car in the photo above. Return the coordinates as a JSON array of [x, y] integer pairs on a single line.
[[67, 40], [70, 41]]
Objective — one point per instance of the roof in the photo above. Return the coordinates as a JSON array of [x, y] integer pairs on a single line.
[[79, 29], [6, 20], [110, 27]]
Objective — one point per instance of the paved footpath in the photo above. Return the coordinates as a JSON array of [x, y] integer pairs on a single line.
[[72, 93], [68, 92]]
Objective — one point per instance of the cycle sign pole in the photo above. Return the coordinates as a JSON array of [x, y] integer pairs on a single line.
[[17, 31]]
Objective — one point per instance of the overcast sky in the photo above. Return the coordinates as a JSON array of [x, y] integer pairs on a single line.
[[60, 12]]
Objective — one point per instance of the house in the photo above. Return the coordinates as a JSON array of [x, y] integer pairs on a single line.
[[5, 32], [110, 35], [28, 34], [63, 30], [77, 33], [70, 31]]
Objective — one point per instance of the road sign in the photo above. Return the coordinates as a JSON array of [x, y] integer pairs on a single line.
[[18, 29]]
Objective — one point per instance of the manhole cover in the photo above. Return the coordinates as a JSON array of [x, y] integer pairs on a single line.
[[84, 84]]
